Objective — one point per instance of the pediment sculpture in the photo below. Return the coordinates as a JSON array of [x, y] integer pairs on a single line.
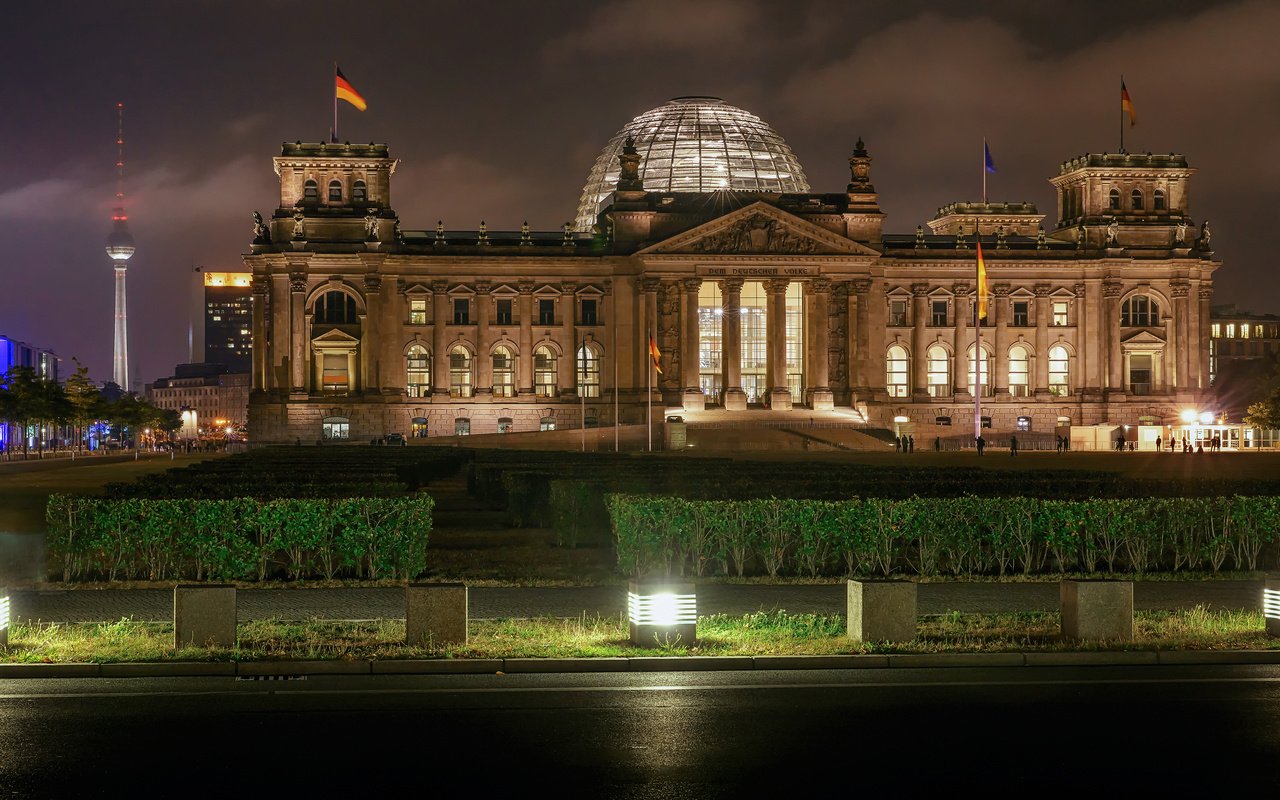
[[758, 234]]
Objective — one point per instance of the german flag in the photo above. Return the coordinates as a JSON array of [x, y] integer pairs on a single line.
[[1126, 105], [655, 354], [345, 91], [982, 284]]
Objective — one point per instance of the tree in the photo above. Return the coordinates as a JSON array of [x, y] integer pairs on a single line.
[[1265, 413], [32, 398], [83, 400]]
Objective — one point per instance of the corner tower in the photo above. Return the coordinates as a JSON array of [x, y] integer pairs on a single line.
[[333, 192], [1124, 200]]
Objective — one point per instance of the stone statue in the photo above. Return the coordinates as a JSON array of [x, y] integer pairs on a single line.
[[1113, 233], [1040, 242], [299, 224], [1204, 235], [261, 233], [1180, 237], [396, 232], [371, 227], [1082, 238], [919, 237]]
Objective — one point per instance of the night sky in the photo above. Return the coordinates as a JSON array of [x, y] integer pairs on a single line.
[[497, 111]]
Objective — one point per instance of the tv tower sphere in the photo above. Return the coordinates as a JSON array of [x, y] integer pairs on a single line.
[[120, 241]]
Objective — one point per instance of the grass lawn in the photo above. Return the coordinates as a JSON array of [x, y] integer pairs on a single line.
[[772, 633]]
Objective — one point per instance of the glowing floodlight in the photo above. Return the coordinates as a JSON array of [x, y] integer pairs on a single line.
[[1206, 418], [1271, 605], [901, 419], [1188, 415], [4, 617], [662, 613]]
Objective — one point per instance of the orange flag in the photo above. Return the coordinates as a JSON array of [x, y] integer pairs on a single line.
[[982, 285], [1126, 105], [655, 354]]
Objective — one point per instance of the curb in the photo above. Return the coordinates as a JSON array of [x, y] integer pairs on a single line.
[[492, 666]]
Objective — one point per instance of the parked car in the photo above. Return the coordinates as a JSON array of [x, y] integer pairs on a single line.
[[395, 439]]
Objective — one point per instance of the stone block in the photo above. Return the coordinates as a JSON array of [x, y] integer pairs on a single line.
[[1271, 605], [204, 615], [881, 611], [435, 613], [1099, 610]]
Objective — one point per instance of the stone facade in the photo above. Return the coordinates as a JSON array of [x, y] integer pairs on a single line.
[[430, 332]]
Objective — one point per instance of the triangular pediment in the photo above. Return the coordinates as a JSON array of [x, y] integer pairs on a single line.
[[335, 337], [758, 229], [1141, 338]]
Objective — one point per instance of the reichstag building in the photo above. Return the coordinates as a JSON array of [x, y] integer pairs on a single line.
[[697, 226]]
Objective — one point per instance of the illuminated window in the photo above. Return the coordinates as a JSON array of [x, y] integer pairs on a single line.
[[461, 378], [418, 373], [1135, 199], [505, 425], [896, 371], [1231, 330], [938, 364], [547, 424], [335, 428], [710, 345], [335, 191], [461, 426], [898, 312], [1024, 423], [1217, 330], [1059, 313], [1244, 330], [417, 311], [504, 372], [943, 421], [418, 428], [1140, 310], [795, 339], [986, 371], [544, 372], [1019, 371], [588, 371], [333, 373], [753, 315], [1059, 371]]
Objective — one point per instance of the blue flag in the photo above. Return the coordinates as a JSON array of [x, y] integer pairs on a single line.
[[991, 165]]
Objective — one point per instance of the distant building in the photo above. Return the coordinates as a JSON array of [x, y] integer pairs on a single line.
[[228, 316], [20, 354], [220, 398], [1243, 349]]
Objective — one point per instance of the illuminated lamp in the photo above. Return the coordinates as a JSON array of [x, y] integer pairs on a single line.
[[662, 613], [1206, 418], [1271, 605], [901, 419], [4, 617], [1188, 415]]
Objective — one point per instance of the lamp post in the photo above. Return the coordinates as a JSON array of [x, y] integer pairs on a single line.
[[188, 425]]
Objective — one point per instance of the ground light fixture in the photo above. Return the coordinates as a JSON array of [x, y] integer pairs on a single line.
[[1271, 605], [4, 617], [662, 614]]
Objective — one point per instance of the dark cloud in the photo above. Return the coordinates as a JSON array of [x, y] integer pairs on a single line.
[[497, 112]]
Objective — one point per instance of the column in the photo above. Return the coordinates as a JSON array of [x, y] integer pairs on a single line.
[[261, 290], [960, 373], [779, 393], [439, 341], [524, 375], [998, 336], [692, 396], [869, 351], [650, 330], [1199, 337], [370, 334], [731, 334], [1078, 318], [391, 373], [820, 396], [278, 355], [1042, 339], [610, 367], [1112, 353], [484, 362], [1093, 335], [919, 316], [568, 377], [297, 333]]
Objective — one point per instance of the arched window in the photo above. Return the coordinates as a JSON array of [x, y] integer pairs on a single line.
[[418, 427], [1114, 200], [1140, 310], [547, 424], [1157, 201], [311, 191], [943, 421], [336, 308], [587, 371], [504, 372], [461, 426], [418, 374], [938, 367], [505, 425], [1059, 371], [896, 371], [986, 371], [1024, 423], [334, 428], [544, 372], [460, 377], [1135, 199], [1019, 371], [359, 193], [335, 191]]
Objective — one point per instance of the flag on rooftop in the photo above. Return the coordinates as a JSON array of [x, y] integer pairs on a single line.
[[345, 91]]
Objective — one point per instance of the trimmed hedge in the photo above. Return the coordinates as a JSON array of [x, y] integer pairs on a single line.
[[238, 539], [931, 536]]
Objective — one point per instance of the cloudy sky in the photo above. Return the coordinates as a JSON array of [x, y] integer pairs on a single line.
[[497, 111]]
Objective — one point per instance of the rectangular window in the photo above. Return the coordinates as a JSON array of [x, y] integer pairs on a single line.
[[1140, 374], [898, 312], [1059, 313], [461, 311], [417, 312], [1257, 331], [546, 312], [504, 311], [939, 316], [1217, 330], [1024, 423], [335, 373], [1021, 313], [1244, 331], [589, 312], [1231, 330]]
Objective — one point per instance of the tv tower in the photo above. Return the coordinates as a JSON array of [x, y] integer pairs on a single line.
[[120, 248]]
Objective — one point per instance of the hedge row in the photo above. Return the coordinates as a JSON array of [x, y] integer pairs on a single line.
[[238, 539], [941, 536]]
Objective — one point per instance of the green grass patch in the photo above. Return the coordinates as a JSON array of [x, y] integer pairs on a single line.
[[764, 633]]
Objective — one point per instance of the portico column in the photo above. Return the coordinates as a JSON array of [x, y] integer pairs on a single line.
[[999, 338], [1113, 355], [692, 397], [524, 375], [779, 392], [820, 397], [1042, 338], [919, 365], [392, 377], [731, 333], [261, 289], [439, 339], [370, 331], [484, 365], [960, 374], [868, 350], [297, 333], [278, 354], [1176, 339], [1079, 318]]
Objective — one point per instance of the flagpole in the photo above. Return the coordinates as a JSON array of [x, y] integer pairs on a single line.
[[984, 170], [1122, 113], [334, 132], [616, 422], [648, 357], [977, 322], [582, 391]]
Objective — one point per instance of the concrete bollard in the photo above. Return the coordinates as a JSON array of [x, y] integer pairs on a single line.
[[204, 615], [881, 611], [1099, 609], [1271, 605], [435, 613]]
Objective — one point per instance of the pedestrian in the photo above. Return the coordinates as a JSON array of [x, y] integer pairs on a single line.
[[1157, 444], [897, 444], [982, 445], [1013, 445], [911, 444], [937, 444]]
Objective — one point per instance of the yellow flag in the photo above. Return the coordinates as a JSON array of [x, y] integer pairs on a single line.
[[982, 284]]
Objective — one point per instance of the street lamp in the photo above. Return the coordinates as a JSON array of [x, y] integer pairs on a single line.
[[189, 429]]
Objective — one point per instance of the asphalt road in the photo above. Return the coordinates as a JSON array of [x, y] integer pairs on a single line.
[[1016, 731], [101, 605]]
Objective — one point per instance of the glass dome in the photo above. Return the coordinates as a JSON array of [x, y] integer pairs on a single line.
[[696, 144]]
